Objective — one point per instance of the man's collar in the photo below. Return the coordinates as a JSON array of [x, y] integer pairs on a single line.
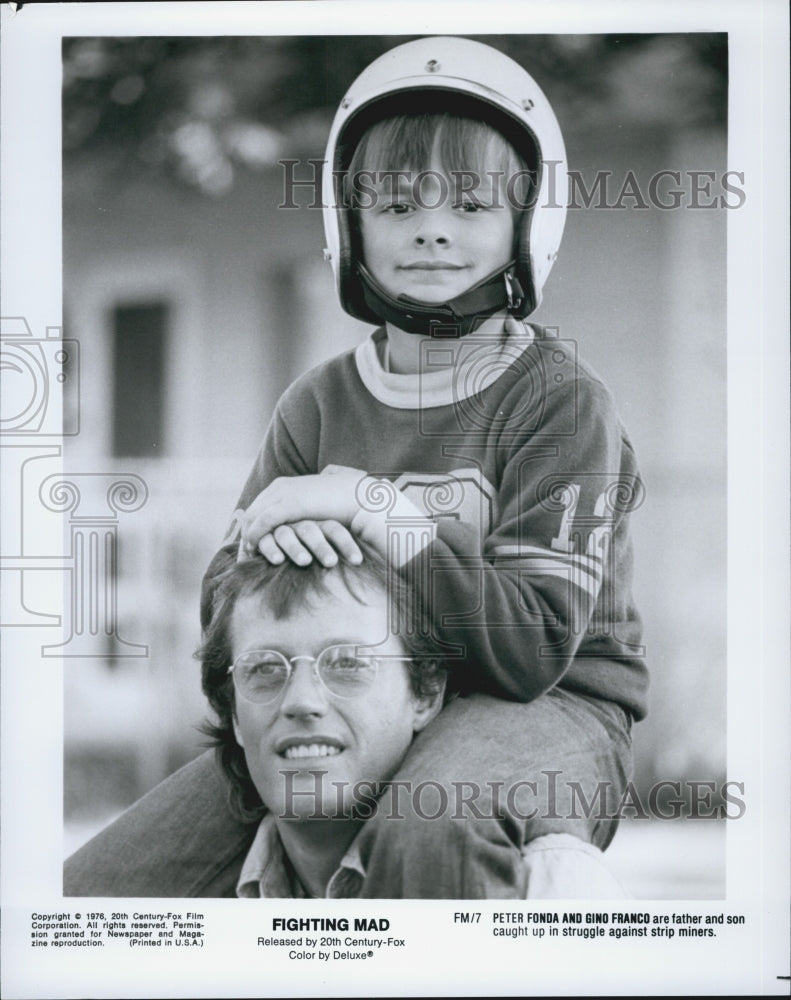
[[267, 871]]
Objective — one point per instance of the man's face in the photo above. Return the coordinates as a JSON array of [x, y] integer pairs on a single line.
[[431, 241], [307, 728]]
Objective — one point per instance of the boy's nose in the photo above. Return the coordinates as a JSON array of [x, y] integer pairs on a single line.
[[304, 693], [433, 229], [440, 239]]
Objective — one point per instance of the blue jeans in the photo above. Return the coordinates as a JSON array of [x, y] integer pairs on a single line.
[[486, 777], [179, 840], [493, 774]]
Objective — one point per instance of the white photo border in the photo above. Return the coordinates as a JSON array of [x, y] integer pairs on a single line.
[[440, 958]]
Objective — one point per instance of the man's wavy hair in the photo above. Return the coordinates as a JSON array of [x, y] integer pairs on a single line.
[[282, 589]]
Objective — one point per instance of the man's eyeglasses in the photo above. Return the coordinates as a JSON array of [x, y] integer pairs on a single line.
[[261, 675]]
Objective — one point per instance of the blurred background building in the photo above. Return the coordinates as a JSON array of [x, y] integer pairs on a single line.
[[196, 299]]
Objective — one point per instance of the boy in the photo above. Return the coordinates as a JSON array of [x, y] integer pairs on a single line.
[[473, 452]]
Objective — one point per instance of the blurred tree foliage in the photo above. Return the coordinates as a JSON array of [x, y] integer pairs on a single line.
[[196, 109]]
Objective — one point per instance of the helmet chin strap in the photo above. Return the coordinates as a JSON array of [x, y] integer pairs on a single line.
[[497, 291]]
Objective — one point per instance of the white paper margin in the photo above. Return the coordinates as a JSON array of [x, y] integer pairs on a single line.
[[440, 957]]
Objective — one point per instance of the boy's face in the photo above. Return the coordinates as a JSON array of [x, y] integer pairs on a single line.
[[308, 729], [430, 240]]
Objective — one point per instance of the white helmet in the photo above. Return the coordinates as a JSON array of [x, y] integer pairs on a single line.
[[474, 80]]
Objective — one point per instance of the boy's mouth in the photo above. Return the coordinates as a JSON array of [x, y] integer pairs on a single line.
[[432, 265]]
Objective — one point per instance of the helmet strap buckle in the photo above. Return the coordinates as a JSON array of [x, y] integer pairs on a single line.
[[513, 292], [498, 290]]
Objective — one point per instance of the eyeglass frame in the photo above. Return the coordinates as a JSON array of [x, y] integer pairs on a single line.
[[289, 662]]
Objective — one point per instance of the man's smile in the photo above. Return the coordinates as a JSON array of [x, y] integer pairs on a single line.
[[299, 747]]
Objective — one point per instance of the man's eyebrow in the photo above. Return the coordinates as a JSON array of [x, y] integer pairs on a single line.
[[317, 646], [370, 647], [347, 642]]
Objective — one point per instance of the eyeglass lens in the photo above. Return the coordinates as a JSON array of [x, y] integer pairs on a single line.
[[260, 675]]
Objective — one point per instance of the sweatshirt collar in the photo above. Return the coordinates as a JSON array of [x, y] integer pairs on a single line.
[[446, 384]]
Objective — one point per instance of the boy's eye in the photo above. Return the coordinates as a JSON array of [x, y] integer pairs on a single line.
[[398, 208], [469, 205]]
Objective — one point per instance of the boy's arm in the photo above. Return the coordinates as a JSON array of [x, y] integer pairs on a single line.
[[554, 580], [298, 532], [279, 456]]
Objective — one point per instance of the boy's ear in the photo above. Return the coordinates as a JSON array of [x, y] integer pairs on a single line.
[[427, 707]]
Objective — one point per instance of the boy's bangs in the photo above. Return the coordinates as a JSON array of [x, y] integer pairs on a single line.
[[458, 145]]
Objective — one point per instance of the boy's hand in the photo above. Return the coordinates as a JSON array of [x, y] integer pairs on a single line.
[[306, 517], [303, 541], [301, 517]]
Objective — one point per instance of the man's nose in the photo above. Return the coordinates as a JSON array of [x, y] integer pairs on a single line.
[[304, 693]]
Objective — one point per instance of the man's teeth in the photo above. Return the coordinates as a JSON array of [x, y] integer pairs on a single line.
[[311, 750]]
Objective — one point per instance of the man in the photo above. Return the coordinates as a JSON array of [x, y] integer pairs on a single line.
[[325, 700], [317, 698], [320, 679]]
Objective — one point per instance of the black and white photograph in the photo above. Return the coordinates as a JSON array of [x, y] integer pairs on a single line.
[[395, 523]]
